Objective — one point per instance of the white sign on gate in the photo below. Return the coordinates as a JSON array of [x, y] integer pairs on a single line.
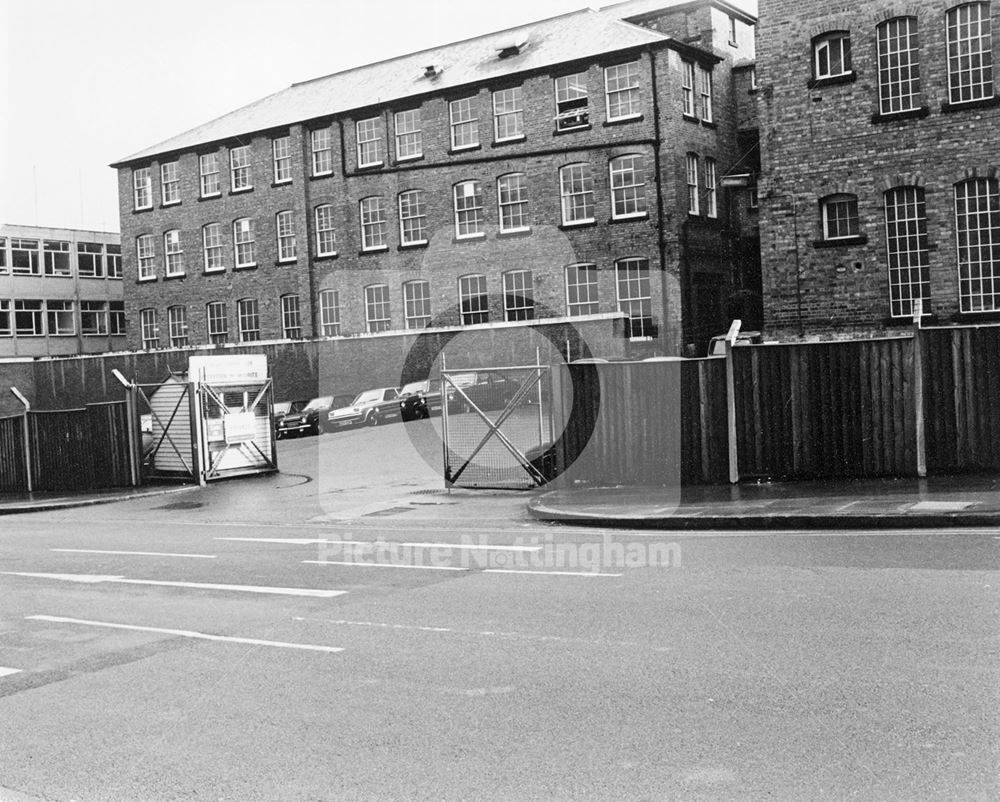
[[239, 426], [228, 368]]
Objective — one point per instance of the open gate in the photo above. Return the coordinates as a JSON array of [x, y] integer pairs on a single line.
[[495, 426], [236, 435]]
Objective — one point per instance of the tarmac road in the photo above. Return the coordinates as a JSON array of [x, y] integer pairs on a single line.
[[744, 666]]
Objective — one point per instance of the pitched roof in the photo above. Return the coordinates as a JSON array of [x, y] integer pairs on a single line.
[[577, 35]]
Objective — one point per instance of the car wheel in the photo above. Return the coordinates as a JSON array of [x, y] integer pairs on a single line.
[[373, 419], [320, 426]]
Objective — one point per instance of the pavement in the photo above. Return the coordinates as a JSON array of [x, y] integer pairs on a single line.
[[968, 500], [15, 503]]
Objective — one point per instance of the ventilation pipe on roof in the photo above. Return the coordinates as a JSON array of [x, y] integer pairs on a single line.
[[512, 49], [432, 71]]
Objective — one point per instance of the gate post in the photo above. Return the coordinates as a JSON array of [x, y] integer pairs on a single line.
[[444, 424], [132, 421], [918, 390], [197, 432], [27, 438], [734, 467]]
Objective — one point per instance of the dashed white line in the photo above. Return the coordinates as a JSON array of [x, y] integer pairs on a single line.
[[96, 579], [544, 573], [139, 553], [357, 564], [6, 672], [300, 541], [185, 633]]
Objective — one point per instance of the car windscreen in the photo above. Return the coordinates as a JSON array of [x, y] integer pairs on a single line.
[[413, 388], [368, 396], [319, 403]]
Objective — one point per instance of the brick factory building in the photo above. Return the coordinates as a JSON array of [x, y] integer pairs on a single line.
[[880, 132], [60, 292], [563, 168]]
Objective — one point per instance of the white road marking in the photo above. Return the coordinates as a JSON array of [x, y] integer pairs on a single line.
[[376, 624], [299, 541], [184, 633], [544, 573], [94, 579], [139, 553], [6, 672], [385, 565]]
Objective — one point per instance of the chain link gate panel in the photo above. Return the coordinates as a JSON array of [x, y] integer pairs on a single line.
[[495, 423]]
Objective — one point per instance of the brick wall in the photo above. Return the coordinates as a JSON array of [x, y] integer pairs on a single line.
[[819, 140], [302, 370]]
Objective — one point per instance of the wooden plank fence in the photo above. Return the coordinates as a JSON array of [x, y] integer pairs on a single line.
[[805, 410], [13, 476]]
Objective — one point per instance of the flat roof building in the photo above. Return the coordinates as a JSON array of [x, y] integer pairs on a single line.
[[60, 291]]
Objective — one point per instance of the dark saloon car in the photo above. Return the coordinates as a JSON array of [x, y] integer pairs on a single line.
[[311, 419], [491, 390], [281, 410]]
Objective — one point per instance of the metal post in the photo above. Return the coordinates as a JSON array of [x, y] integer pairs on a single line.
[[198, 460], [132, 422], [918, 390], [27, 438], [538, 395], [444, 425], [734, 468]]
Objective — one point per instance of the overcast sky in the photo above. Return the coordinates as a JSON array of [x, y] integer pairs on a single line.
[[86, 82]]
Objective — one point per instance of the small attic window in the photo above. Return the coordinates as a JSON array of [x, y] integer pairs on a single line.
[[512, 48], [432, 71]]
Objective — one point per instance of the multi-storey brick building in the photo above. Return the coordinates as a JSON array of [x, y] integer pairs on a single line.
[[563, 168], [881, 148], [60, 291]]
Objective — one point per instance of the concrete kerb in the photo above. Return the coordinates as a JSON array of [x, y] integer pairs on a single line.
[[775, 522], [19, 507]]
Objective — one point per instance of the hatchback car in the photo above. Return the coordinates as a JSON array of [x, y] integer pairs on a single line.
[[369, 408]]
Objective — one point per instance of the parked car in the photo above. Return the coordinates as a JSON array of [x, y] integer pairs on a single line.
[[419, 399], [369, 408], [281, 410], [311, 419], [717, 345], [490, 390]]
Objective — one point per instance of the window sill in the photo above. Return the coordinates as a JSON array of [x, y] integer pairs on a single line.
[[215, 271], [407, 159], [285, 262], [632, 118], [58, 275], [977, 317], [460, 238], [709, 124], [571, 129], [628, 218], [969, 105], [174, 276], [690, 118], [578, 224], [209, 197], [171, 203], [511, 140], [287, 183], [409, 246], [372, 251], [146, 279], [899, 116], [240, 191], [325, 257], [317, 176], [511, 233], [367, 168], [833, 80], [842, 242], [906, 321], [143, 209], [464, 149], [251, 266], [90, 278]]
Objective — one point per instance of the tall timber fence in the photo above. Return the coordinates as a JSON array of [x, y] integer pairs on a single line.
[[901, 406], [68, 450]]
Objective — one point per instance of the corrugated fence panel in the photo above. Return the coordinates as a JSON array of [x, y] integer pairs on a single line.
[[13, 478], [961, 393]]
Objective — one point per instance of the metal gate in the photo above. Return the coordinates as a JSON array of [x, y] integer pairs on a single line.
[[495, 426], [166, 424], [235, 427]]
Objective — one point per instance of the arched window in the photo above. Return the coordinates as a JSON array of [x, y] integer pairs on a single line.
[[512, 200], [326, 232], [518, 295], [906, 244], [473, 300], [412, 217], [576, 186], [628, 186], [374, 224], [417, 304], [581, 290], [977, 217], [970, 53], [469, 209], [898, 65]]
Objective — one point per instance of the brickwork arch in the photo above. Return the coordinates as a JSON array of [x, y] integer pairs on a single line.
[[838, 188], [887, 182], [840, 22], [985, 171], [894, 12]]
